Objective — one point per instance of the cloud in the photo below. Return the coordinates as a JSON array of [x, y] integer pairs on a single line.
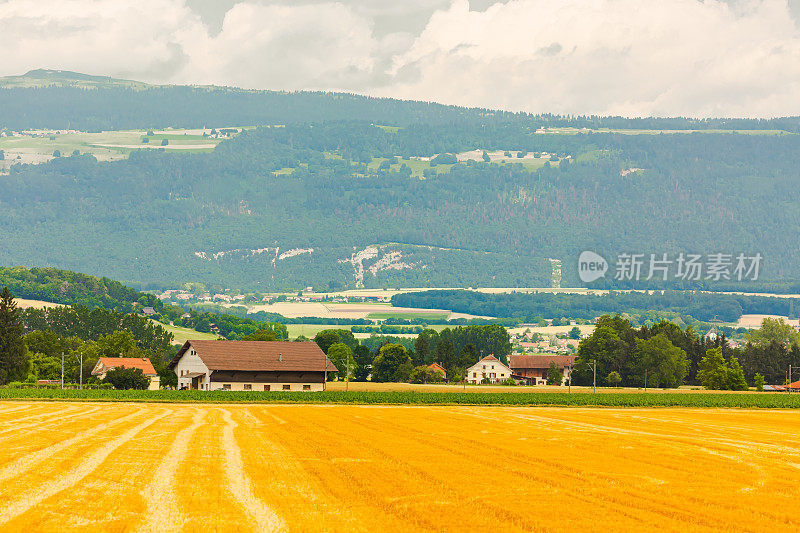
[[628, 57]]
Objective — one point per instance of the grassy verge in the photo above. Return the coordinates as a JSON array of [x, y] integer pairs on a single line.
[[711, 400]]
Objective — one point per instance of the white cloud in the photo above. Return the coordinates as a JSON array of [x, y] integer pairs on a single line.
[[630, 57]]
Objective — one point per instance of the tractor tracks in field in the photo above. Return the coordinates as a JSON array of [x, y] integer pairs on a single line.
[[28, 500], [162, 510], [265, 517]]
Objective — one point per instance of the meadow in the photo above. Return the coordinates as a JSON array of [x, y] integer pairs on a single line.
[[167, 467]]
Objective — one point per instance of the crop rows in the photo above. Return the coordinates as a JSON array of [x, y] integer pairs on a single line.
[[652, 399], [177, 467]]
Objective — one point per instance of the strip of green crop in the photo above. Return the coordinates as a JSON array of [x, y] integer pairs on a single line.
[[654, 399]]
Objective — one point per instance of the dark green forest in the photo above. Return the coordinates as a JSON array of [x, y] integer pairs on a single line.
[[340, 186], [530, 306]]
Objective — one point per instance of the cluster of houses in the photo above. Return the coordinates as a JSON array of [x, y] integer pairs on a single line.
[[301, 366]]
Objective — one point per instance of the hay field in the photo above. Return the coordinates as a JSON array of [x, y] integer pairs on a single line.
[[146, 467]]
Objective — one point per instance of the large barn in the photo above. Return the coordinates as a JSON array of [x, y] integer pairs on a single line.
[[532, 369], [251, 365]]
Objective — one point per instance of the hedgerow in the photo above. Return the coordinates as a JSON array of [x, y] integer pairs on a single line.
[[699, 400]]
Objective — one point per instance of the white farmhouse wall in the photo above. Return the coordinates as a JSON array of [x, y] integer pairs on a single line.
[[494, 370], [190, 364]]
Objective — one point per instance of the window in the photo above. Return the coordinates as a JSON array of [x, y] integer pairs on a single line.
[[474, 374], [492, 367], [484, 367], [266, 387], [248, 386], [286, 387], [226, 386], [306, 387]]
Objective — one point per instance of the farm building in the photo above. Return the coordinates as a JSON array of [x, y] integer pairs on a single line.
[[491, 368], [104, 364], [251, 365], [436, 367], [532, 369]]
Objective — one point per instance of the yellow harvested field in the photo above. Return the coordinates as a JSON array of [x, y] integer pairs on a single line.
[[196, 467]]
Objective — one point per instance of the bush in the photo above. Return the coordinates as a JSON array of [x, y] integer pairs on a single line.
[[510, 382], [759, 380], [127, 378]]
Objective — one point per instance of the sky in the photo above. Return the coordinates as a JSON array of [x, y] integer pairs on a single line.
[[701, 58]]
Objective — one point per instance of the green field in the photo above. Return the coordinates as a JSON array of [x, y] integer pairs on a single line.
[[427, 318], [105, 146], [656, 399], [181, 335]]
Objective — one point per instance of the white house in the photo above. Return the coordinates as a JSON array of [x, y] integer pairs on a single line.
[[251, 365], [491, 368]]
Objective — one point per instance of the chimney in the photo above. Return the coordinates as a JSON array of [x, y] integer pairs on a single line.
[[280, 357]]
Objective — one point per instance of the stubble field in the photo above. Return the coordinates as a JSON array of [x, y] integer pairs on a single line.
[[171, 467]]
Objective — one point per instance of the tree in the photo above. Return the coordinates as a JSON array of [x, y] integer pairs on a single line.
[[773, 330], [759, 381], [554, 375], [614, 379], [735, 376], [659, 362], [391, 364], [713, 371], [326, 337], [424, 346], [486, 157], [426, 374], [341, 356], [2, 155], [122, 378], [260, 335], [56, 153], [575, 333], [363, 362], [13, 354], [164, 142]]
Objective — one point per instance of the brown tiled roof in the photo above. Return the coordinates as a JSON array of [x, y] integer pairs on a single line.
[[490, 357], [540, 361], [129, 362], [258, 356]]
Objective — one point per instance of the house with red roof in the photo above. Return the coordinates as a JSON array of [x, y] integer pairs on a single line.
[[532, 369], [489, 368], [251, 365], [436, 367], [104, 364]]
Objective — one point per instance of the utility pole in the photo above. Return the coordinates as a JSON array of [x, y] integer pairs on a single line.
[[347, 373], [594, 378], [569, 381], [62, 370], [81, 384], [325, 383], [645, 380]]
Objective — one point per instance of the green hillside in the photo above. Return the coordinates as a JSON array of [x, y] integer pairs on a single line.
[[353, 191]]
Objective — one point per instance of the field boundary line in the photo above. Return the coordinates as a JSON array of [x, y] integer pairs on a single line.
[[266, 518], [162, 512], [89, 465]]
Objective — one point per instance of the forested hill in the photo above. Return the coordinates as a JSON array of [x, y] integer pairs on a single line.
[[333, 205], [68, 100]]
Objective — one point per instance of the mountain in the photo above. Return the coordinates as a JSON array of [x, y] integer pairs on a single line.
[[64, 78], [349, 191]]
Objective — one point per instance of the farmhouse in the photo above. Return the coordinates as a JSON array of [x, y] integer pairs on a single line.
[[436, 367], [104, 364], [489, 368], [532, 369], [251, 365]]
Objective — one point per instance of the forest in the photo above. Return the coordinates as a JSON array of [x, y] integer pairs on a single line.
[[330, 199], [529, 307]]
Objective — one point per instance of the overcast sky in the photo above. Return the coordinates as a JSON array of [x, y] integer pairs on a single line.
[[626, 57]]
